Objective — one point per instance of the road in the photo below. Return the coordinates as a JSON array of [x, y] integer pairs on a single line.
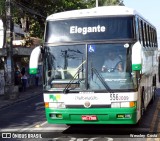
[[28, 117]]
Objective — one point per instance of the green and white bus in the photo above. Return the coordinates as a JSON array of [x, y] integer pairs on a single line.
[[76, 91]]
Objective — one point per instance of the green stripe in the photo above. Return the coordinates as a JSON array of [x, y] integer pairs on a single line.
[[33, 70], [136, 67]]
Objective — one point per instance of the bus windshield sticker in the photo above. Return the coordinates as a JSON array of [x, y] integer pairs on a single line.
[[91, 48]]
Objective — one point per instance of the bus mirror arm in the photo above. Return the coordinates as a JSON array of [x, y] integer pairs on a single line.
[[42, 49]]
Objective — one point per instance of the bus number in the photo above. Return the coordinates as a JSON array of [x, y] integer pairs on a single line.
[[117, 97]]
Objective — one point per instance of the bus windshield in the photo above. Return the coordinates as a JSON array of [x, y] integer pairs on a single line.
[[88, 67]]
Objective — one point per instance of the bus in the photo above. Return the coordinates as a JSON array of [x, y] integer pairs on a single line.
[[76, 90]]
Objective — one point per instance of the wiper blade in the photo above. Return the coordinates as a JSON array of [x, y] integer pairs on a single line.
[[66, 89], [102, 80]]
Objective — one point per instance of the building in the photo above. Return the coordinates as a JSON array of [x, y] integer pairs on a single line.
[[21, 53]]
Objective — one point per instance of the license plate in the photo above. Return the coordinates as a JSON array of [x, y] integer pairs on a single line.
[[89, 117]]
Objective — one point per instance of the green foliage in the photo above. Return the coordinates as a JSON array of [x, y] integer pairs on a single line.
[[92, 3], [27, 41], [2, 8], [36, 11]]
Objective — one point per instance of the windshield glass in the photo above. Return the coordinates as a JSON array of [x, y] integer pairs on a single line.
[[112, 62], [62, 64], [92, 67]]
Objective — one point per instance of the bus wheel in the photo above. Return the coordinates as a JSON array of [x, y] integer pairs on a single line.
[[142, 103]]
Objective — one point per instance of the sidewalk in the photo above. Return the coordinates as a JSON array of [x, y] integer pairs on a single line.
[[20, 96]]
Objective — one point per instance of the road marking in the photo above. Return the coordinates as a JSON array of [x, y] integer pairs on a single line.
[[153, 139], [39, 103], [48, 129], [34, 129], [40, 125], [43, 123]]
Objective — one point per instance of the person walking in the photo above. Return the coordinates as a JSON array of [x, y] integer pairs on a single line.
[[37, 78], [17, 76], [24, 79]]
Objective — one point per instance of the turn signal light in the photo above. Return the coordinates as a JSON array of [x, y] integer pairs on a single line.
[[132, 104], [46, 104]]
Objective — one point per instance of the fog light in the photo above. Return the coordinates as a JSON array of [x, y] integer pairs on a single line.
[[52, 115], [128, 115], [124, 116], [59, 115], [120, 115], [55, 115]]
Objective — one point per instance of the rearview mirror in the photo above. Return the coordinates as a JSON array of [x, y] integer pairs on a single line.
[[136, 56], [1, 34]]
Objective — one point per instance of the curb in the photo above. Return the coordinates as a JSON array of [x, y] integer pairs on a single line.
[[19, 100]]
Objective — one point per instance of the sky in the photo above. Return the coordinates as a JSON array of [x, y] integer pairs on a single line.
[[149, 9]]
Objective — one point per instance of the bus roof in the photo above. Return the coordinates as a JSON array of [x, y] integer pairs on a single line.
[[97, 11]]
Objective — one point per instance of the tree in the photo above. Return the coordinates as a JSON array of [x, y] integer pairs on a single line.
[[2, 8], [92, 3], [31, 14]]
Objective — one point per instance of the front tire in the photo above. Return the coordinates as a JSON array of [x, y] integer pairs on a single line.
[[142, 103]]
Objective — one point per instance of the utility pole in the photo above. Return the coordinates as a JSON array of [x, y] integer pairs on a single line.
[[9, 82], [96, 3]]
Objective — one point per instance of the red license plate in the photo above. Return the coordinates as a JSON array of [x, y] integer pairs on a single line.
[[89, 117]]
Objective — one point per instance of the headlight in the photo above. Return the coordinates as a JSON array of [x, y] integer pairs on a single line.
[[115, 105], [57, 105], [123, 104]]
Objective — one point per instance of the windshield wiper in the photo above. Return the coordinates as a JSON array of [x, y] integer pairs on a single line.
[[102, 80], [80, 68], [66, 89]]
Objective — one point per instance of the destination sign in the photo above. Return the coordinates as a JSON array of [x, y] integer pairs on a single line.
[[87, 29]]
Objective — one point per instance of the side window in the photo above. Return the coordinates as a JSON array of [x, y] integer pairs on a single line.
[[140, 32], [146, 34], [143, 34], [148, 30], [151, 37], [137, 29]]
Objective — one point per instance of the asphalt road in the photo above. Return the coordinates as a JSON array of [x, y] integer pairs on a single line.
[[28, 117]]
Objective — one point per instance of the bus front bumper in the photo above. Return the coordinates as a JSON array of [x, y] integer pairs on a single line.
[[92, 116]]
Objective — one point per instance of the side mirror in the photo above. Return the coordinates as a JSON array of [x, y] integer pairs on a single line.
[[33, 62], [1, 34], [136, 56]]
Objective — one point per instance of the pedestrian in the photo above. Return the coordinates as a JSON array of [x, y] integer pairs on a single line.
[[24, 82], [23, 79], [17, 76], [37, 79]]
